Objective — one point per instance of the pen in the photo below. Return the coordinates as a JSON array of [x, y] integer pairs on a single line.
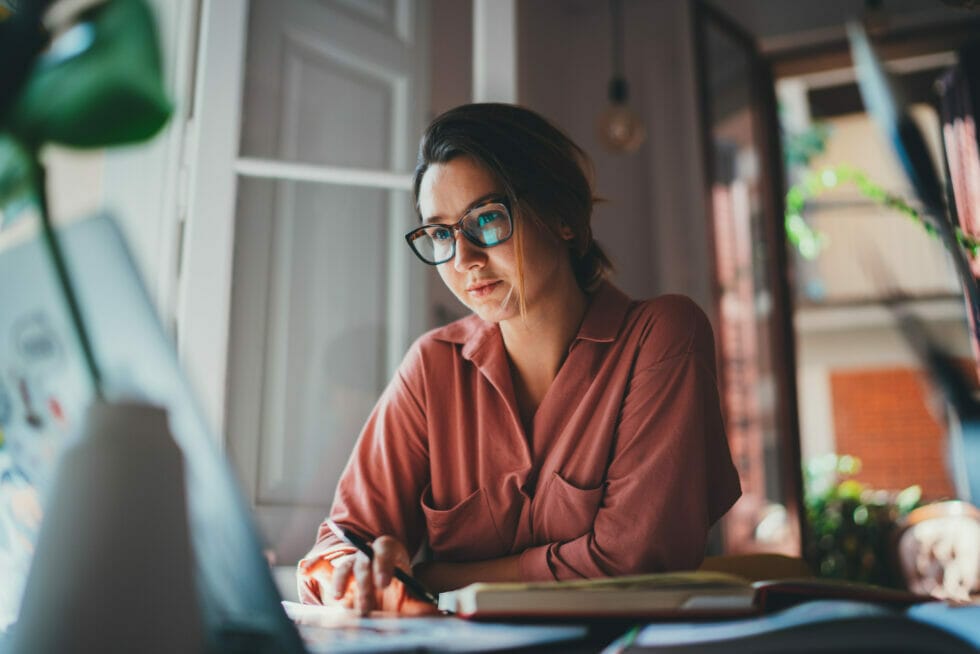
[[411, 583]]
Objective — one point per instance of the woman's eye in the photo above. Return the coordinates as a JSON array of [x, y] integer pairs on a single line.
[[441, 234], [487, 218]]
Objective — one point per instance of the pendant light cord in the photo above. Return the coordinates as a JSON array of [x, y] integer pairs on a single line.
[[616, 33], [617, 85]]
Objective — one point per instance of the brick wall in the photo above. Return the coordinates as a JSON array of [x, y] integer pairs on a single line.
[[882, 417]]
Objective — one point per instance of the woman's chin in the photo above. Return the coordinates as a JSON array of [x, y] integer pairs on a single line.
[[493, 312], [496, 307]]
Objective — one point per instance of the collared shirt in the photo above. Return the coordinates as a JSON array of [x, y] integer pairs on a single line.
[[625, 468]]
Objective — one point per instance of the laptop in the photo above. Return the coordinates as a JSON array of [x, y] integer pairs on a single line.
[[45, 392]]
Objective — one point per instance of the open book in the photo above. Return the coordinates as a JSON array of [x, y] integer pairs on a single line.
[[669, 595]]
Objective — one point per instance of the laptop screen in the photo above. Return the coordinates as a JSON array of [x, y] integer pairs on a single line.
[[45, 392]]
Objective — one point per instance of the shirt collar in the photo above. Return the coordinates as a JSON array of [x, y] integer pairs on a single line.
[[602, 322], [604, 317], [472, 332]]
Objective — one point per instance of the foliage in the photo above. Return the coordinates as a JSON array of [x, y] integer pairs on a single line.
[[814, 183], [798, 150], [851, 526]]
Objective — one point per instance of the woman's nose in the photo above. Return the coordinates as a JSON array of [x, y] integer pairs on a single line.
[[468, 256]]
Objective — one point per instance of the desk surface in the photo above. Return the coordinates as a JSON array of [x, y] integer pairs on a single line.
[[338, 630], [857, 626]]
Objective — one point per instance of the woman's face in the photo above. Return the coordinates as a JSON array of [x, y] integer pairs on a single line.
[[485, 279]]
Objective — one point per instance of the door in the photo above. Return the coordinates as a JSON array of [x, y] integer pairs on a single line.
[[324, 298], [755, 342]]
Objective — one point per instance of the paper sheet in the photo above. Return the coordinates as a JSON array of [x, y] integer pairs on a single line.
[[333, 629]]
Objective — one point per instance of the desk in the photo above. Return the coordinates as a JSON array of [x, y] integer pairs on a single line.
[[338, 630], [821, 625]]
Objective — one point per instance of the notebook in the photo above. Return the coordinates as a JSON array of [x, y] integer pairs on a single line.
[[679, 595]]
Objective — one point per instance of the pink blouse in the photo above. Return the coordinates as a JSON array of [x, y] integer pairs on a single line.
[[625, 469]]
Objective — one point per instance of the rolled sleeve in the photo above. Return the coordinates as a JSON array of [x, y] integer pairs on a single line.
[[533, 564]]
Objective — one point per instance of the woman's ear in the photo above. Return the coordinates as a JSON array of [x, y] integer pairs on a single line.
[[566, 233]]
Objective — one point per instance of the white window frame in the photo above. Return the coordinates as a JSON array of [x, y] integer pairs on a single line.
[[204, 286], [204, 295]]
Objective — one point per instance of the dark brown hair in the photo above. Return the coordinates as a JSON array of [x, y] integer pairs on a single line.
[[544, 174]]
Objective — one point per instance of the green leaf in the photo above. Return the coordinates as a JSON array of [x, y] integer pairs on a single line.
[[908, 499], [99, 84], [18, 188], [809, 242]]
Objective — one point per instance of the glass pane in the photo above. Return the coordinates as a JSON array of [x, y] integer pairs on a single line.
[[872, 432], [764, 518], [851, 224], [324, 88], [310, 335]]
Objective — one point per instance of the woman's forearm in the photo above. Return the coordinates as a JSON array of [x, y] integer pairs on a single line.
[[440, 577]]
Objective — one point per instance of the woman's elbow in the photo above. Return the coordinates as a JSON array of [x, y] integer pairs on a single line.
[[653, 555]]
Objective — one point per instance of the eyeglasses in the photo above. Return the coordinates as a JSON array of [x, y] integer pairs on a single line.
[[484, 226]]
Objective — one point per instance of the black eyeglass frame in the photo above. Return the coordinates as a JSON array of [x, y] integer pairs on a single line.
[[457, 227]]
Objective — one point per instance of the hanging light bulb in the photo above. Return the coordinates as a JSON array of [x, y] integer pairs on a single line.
[[620, 128]]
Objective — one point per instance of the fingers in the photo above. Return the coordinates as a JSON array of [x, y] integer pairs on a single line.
[[311, 575], [308, 590], [356, 581], [388, 554], [365, 600], [373, 576], [340, 579], [317, 579]]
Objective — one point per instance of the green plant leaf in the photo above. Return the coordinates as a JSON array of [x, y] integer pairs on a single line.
[[99, 84], [908, 499], [18, 188]]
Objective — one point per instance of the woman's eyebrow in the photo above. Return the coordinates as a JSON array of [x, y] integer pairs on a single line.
[[495, 195]]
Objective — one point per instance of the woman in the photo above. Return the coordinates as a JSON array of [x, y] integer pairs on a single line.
[[561, 431]]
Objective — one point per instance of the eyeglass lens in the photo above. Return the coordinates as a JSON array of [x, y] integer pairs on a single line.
[[485, 226]]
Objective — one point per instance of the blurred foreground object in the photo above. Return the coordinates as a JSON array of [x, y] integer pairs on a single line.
[[938, 550], [113, 566], [887, 108], [959, 92], [98, 84], [18, 188], [21, 39], [114, 535], [851, 525]]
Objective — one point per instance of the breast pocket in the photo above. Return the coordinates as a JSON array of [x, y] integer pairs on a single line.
[[464, 532], [563, 512]]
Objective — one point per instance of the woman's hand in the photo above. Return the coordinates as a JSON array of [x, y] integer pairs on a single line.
[[357, 582]]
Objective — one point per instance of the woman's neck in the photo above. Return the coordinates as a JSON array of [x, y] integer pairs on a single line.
[[548, 328], [538, 345]]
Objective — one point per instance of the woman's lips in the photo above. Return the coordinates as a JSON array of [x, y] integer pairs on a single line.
[[482, 289]]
